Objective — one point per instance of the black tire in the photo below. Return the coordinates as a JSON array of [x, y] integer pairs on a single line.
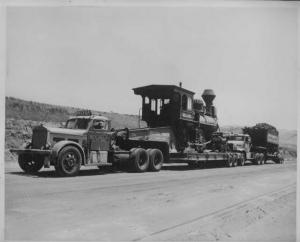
[[69, 161], [139, 159], [30, 163], [229, 161], [156, 159], [262, 159], [256, 159], [276, 160], [242, 160], [235, 161], [280, 158]]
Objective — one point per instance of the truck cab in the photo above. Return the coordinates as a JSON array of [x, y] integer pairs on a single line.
[[240, 142]]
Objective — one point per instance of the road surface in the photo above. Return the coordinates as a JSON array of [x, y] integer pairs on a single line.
[[250, 203]]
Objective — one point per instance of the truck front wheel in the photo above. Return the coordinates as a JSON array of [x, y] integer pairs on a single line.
[[69, 161], [30, 163], [156, 159], [140, 159]]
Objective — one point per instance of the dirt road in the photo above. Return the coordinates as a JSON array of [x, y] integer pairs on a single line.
[[233, 204]]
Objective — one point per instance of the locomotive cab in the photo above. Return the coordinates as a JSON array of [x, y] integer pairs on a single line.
[[163, 105]]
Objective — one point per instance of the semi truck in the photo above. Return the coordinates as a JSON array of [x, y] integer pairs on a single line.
[[180, 129], [264, 140]]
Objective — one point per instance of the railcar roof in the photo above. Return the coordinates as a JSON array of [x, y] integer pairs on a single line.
[[160, 91]]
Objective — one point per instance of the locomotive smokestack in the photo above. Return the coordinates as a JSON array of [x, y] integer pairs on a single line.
[[180, 84], [208, 97]]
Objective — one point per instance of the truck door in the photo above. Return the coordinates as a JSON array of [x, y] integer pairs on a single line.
[[98, 144]]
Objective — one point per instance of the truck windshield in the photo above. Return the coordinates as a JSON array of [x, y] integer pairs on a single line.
[[236, 138], [77, 123]]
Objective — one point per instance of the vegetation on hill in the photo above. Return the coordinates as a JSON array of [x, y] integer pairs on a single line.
[[28, 110]]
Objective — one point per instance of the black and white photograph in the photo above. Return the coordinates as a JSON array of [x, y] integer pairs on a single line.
[[149, 120]]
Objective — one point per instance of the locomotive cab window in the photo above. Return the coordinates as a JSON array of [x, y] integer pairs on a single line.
[[153, 105], [189, 103], [160, 104], [184, 102]]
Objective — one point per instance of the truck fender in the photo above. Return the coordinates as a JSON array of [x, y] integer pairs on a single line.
[[61, 144]]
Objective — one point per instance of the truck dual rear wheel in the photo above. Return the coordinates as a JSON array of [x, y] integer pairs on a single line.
[[139, 159], [69, 161], [30, 163], [156, 159]]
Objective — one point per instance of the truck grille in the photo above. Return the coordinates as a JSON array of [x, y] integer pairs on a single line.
[[39, 137]]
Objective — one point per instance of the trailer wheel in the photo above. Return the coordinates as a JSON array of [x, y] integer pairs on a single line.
[[139, 159], [29, 163], [281, 159], [256, 159], [69, 161], [156, 159], [235, 161], [229, 161], [262, 158], [242, 160]]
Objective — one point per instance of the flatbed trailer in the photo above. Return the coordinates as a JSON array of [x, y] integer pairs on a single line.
[[164, 136], [193, 158]]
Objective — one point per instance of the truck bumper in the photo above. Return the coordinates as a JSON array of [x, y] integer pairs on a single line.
[[46, 154], [31, 151]]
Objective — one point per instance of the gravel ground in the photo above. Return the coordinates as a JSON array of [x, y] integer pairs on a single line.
[[250, 203]]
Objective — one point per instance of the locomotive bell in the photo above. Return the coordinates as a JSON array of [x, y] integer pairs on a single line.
[[208, 96]]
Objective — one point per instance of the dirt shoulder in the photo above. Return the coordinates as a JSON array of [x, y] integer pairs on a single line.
[[270, 217], [218, 204]]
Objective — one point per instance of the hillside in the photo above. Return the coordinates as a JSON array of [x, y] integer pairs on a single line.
[[22, 115], [28, 110]]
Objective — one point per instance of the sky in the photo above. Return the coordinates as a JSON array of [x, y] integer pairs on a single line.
[[92, 57]]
